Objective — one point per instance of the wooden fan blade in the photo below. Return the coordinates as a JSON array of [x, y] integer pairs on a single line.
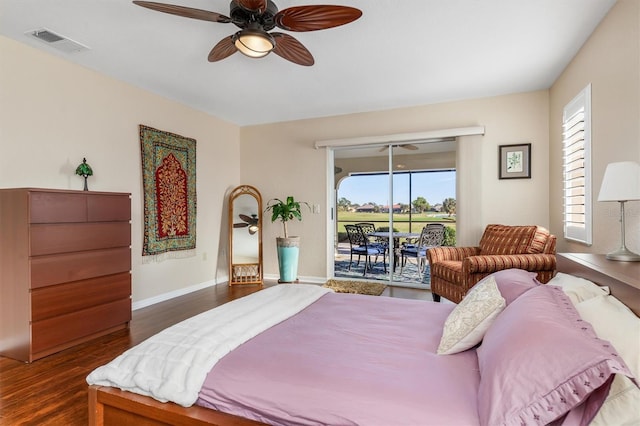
[[258, 6], [292, 50], [240, 225], [223, 49], [312, 18], [404, 146], [246, 218], [187, 12]]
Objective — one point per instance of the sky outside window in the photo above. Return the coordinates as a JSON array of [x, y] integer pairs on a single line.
[[434, 186]]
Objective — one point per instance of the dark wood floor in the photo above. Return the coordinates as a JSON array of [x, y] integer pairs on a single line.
[[53, 390]]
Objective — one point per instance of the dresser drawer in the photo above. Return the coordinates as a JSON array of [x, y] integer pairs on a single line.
[[66, 238], [106, 208], [51, 301], [55, 332], [62, 268], [54, 207]]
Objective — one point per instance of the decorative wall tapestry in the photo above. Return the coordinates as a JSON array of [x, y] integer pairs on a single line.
[[169, 186]]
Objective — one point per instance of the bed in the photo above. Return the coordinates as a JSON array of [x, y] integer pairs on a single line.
[[375, 361]]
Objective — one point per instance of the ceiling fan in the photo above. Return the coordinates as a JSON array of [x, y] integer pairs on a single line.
[[256, 17], [404, 146], [248, 221]]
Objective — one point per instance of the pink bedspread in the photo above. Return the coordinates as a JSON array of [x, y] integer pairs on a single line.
[[349, 360]]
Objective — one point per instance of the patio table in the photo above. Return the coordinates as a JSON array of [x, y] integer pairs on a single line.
[[396, 235], [396, 241]]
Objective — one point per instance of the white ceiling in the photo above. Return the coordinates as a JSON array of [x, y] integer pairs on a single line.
[[399, 53]]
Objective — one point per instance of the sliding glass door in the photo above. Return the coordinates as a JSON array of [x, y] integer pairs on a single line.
[[397, 189]]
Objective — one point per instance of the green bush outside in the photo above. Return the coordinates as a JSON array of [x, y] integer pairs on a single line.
[[449, 236], [386, 229]]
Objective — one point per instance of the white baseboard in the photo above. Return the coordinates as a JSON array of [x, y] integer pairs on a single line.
[[172, 294], [181, 292], [309, 280]]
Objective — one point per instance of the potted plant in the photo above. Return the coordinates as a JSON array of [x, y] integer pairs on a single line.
[[288, 247]]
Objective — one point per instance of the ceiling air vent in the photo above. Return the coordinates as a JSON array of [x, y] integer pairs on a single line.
[[57, 41]]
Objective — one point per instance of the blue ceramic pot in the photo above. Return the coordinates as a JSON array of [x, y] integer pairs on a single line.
[[288, 251]]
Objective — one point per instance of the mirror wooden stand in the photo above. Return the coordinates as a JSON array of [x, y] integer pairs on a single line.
[[245, 236]]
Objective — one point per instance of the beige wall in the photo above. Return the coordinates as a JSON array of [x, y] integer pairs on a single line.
[[54, 113], [280, 160], [610, 61]]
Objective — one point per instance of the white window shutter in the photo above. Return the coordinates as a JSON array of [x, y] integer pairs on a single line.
[[576, 161]]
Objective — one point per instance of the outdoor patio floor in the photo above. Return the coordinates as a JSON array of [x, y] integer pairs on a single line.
[[410, 275]]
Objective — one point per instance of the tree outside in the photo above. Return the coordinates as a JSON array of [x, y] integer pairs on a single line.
[[449, 206], [344, 205], [421, 205]]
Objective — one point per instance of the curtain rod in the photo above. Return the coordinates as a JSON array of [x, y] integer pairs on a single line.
[[402, 138]]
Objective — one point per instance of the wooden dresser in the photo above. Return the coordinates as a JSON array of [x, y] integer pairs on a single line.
[[65, 268]]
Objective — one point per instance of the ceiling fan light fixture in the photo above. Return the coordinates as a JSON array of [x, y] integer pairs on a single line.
[[254, 43]]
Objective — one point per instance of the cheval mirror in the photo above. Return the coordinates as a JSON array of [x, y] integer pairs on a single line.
[[245, 236]]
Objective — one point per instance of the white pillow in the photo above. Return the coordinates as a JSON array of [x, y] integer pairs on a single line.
[[471, 318], [615, 322], [578, 289]]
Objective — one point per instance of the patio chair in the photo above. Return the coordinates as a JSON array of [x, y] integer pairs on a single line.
[[432, 235], [360, 245], [368, 229]]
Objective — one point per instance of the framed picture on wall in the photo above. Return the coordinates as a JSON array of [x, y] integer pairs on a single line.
[[515, 161]]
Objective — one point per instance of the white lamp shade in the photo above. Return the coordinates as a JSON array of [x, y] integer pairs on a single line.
[[621, 182]]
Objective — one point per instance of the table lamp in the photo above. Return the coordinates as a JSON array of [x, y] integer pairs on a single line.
[[621, 183]]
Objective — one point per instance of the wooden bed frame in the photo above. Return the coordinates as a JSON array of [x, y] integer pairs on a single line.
[[111, 406], [622, 278]]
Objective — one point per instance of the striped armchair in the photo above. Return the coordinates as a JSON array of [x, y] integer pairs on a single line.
[[454, 270]]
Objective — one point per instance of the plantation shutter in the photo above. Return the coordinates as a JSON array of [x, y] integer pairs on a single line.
[[576, 161]]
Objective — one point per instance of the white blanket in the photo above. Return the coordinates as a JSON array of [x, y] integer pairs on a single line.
[[173, 364]]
